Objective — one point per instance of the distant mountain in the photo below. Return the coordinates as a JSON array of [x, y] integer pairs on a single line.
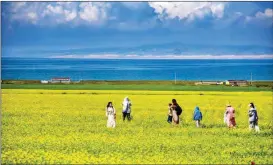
[[172, 48]]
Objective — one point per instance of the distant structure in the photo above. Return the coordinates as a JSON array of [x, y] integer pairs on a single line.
[[60, 80], [44, 81], [209, 83], [78, 81], [236, 82]]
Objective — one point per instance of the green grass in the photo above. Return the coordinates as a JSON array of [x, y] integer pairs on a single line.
[[153, 87]]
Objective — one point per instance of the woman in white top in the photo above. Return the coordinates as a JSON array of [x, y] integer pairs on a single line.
[[111, 115]]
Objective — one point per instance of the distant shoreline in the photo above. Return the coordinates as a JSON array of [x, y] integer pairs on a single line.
[[136, 85], [22, 81], [188, 57]]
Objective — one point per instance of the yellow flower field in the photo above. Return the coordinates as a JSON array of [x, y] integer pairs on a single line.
[[69, 127]]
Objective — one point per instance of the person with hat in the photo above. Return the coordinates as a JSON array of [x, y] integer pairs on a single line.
[[230, 116], [197, 116]]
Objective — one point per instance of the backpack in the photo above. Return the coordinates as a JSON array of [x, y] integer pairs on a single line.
[[178, 110]]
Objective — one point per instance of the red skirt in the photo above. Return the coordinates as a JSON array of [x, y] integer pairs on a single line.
[[232, 122]]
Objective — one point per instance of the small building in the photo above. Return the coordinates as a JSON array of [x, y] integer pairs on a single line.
[[60, 80], [44, 81], [208, 83], [237, 82]]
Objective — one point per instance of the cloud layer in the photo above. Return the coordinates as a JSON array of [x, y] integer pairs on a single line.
[[59, 12], [98, 13], [180, 30], [188, 10]]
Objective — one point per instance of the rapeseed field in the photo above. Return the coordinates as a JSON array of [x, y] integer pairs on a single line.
[[69, 127]]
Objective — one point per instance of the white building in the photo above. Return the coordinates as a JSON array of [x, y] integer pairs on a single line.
[[60, 80], [44, 81]]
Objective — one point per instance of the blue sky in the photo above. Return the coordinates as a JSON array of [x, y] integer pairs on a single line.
[[137, 29]]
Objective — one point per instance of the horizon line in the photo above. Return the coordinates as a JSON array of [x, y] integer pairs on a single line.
[[154, 57], [133, 56]]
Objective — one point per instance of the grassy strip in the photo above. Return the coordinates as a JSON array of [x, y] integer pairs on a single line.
[[152, 87]]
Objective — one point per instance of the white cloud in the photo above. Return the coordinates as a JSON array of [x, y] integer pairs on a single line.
[[60, 12], [54, 9], [75, 13], [17, 5], [52, 13], [218, 10], [267, 13], [70, 15], [89, 12], [32, 17], [64, 3], [93, 12], [261, 18], [233, 19], [22, 11], [188, 10]]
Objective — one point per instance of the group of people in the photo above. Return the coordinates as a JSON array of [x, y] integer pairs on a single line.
[[229, 117], [174, 112], [111, 112]]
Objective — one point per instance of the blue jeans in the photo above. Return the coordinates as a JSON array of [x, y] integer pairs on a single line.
[[170, 119]]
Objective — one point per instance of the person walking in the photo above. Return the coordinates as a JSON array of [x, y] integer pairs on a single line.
[[111, 115], [253, 118], [197, 116], [177, 111], [170, 114], [230, 116], [126, 109]]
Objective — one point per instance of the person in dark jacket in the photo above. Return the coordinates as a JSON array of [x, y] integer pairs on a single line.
[[175, 107], [197, 116], [253, 118]]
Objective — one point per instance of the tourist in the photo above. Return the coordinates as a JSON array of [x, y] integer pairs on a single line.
[[253, 118], [230, 116], [170, 113], [111, 115], [197, 116], [177, 110], [126, 110]]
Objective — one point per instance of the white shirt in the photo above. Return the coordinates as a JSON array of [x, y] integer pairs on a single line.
[[126, 106]]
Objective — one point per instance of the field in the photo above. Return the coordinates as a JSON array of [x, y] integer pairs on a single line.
[[69, 127]]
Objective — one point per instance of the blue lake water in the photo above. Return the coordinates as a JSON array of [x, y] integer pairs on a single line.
[[110, 69]]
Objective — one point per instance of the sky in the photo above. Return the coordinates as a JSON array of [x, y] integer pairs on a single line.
[[137, 29]]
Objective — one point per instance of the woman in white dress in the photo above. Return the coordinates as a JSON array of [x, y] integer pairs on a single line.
[[111, 115]]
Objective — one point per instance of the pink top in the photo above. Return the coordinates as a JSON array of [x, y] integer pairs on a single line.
[[230, 111]]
